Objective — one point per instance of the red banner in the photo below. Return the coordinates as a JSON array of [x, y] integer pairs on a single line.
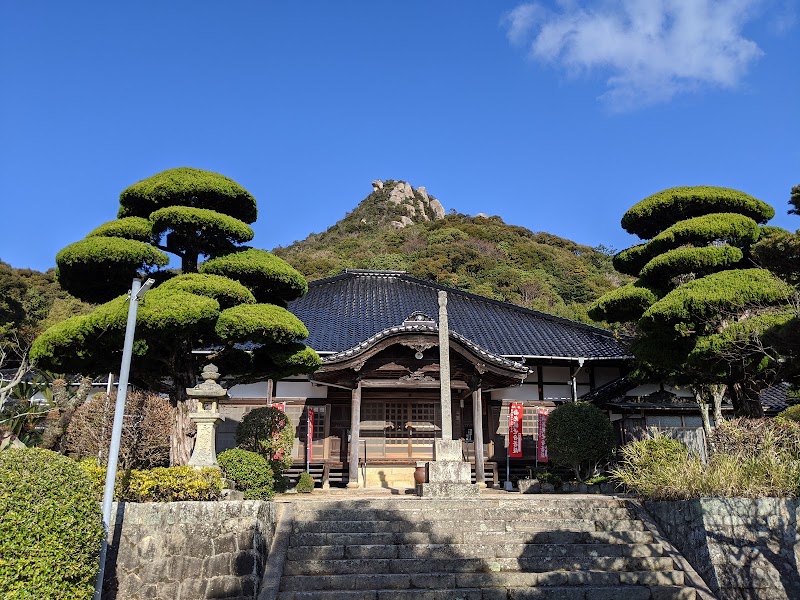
[[281, 406], [515, 410], [541, 444], [310, 432]]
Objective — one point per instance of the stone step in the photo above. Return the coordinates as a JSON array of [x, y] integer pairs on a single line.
[[495, 550], [478, 514], [480, 581], [366, 566], [470, 537], [629, 592], [532, 501], [442, 526]]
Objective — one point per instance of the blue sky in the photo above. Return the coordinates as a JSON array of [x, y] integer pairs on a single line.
[[557, 116]]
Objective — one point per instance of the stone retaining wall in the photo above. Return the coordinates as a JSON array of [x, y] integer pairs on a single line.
[[188, 550], [743, 548]]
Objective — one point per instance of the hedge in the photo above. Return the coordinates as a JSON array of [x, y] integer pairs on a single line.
[[270, 278], [185, 186], [50, 527], [129, 228], [260, 323], [162, 484], [97, 269], [213, 225], [697, 261], [631, 260], [717, 294], [626, 303], [656, 213], [225, 291]]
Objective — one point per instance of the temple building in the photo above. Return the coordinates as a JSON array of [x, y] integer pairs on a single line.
[[375, 400]]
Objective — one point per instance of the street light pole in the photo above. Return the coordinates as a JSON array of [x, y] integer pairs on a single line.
[[137, 291]]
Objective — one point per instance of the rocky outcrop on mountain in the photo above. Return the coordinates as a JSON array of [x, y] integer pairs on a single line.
[[410, 205]]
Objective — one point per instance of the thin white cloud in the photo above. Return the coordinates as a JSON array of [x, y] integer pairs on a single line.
[[649, 50]]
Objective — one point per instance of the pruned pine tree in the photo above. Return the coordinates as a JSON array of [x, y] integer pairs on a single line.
[[224, 296], [701, 311]]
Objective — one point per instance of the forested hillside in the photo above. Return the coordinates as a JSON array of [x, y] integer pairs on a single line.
[[397, 227]]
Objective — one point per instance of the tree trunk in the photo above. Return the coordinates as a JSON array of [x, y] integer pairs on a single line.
[[702, 402], [181, 440], [745, 401], [718, 393]]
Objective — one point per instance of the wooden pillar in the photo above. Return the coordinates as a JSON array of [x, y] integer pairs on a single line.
[[477, 435], [355, 435]]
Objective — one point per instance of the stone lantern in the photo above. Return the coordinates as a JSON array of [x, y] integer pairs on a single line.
[[206, 418]]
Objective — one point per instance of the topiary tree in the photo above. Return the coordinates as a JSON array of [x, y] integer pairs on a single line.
[[234, 298], [699, 310], [51, 526], [269, 432], [579, 436], [146, 427]]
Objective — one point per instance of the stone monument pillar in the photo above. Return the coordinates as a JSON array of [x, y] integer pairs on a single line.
[[207, 416], [448, 475]]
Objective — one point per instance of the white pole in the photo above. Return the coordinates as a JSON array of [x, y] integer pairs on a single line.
[[137, 290]]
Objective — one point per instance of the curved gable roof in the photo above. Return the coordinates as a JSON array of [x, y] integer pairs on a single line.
[[344, 311]]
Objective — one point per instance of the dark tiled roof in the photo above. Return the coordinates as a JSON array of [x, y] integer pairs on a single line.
[[421, 328], [343, 311], [776, 398]]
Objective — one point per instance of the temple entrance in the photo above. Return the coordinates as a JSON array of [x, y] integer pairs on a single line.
[[400, 428]]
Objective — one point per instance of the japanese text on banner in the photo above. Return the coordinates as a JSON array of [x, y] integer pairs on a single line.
[[515, 412], [541, 443]]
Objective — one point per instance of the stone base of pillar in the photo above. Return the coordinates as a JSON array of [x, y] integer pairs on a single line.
[[449, 476], [353, 484], [204, 453]]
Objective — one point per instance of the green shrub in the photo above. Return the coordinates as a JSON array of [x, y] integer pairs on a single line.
[[579, 436], [547, 477], [790, 414], [751, 458], [269, 432], [50, 527], [250, 471], [651, 467], [306, 484], [163, 484]]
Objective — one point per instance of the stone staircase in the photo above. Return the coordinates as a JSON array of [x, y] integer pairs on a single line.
[[528, 547]]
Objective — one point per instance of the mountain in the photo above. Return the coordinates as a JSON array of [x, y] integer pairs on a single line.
[[398, 227]]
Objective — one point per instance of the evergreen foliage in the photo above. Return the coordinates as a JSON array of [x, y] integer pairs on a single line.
[[129, 228], [191, 214], [188, 187], [709, 310], [250, 471], [268, 432], [579, 436], [481, 255], [50, 527], [225, 291], [698, 261], [305, 485], [99, 268], [656, 213]]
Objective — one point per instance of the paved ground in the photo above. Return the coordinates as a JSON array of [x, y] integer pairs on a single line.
[[378, 492]]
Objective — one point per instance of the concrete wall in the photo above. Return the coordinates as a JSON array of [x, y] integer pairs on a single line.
[[743, 548], [188, 550]]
